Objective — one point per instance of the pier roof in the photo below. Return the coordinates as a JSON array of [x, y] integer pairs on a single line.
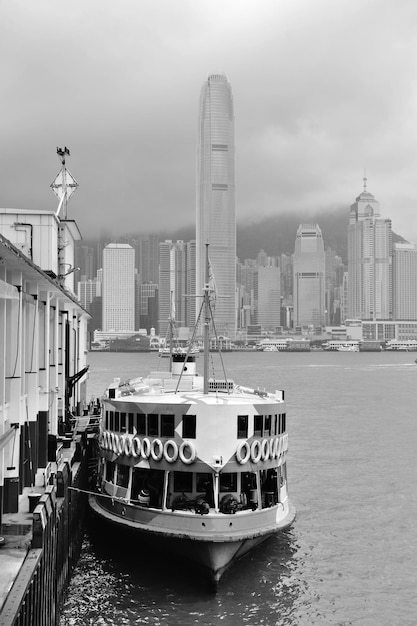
[[14, 259]]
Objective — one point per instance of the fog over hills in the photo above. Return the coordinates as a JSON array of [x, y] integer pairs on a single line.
[[275, 235]]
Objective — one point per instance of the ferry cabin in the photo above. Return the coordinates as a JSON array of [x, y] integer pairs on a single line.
[[169, 460]]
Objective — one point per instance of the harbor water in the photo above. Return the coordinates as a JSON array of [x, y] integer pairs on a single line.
[[350, 557]]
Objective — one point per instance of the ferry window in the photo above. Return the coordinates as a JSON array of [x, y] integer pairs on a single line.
[[202, 479], [228, 482], [109, 471], [130, 423], [242, 426], [167, 426], [258, 423], [122, 479], [183, 481], [279, 424], [284, 419], [276, 426], [141, 424], [188, 426], [267, 429], [117, 420], [153, 425], [123, 422], [111, 421]]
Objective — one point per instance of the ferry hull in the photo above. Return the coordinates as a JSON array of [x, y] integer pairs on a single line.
[[194, 538]]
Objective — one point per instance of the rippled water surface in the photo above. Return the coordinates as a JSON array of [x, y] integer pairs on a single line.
[[351, 555]]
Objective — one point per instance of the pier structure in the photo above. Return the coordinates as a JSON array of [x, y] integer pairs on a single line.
[[43, 367]]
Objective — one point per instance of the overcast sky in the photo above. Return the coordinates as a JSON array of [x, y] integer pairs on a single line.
[[322, 90]]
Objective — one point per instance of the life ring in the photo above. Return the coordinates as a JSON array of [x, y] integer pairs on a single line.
[[136, 447], [272, 448], [243, 458], [114, 443], [265, 450], [157, 449], [170, 444], [187, 459], [256, 451], [104, 442], [128, 445], [146, 448], [122, 440]]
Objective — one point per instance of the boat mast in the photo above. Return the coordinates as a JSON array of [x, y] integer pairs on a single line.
[[206, 322]]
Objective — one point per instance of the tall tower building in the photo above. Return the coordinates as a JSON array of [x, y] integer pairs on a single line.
[[216, 211], [309, 276], [173, 283], [118, 288], [369, 261], [404, 281], [269, 297]]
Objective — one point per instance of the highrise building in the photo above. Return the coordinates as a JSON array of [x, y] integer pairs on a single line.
[[215, 211], [147, 257], [404, 281], [309, 276], [87, 290], [175, 279], [369, 261], [118, 289], [268, 295]]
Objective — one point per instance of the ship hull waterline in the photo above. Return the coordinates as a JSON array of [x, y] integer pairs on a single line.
[[211, 554]]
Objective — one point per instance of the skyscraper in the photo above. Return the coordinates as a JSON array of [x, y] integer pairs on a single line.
[[404, 281], [216, 212], [369, 261], [269, 297], [118, 287], [309, 276]]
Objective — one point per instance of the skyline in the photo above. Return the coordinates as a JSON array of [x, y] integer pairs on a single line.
[[321, 93]]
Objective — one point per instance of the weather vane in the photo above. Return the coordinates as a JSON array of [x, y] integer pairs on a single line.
[[64, 184]]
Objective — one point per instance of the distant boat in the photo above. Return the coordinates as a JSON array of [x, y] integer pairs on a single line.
[[348, 347], [178, 350]]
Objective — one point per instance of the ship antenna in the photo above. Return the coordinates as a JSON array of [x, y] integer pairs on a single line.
[[206, 321]]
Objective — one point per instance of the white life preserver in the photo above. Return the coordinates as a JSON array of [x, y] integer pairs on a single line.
[[170, 443], [128, 445], [122, 440], [256, 451], [265, 449], [104, 440], [136, 447], [187, 459], [146, 448], [157, 449], [243, 458], [114, 443]]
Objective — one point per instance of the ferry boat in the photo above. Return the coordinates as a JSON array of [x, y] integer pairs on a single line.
[[195, 465], [348, 347]]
